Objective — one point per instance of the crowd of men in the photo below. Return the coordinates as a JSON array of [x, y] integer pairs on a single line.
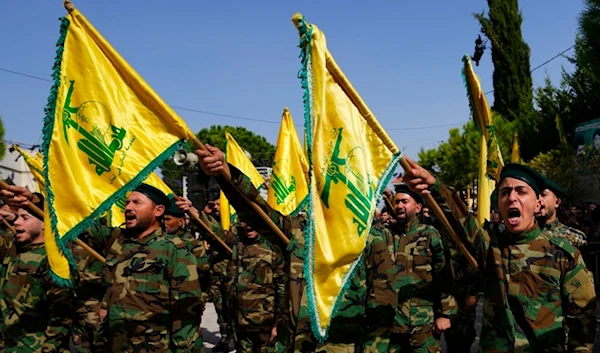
[[414, 283]]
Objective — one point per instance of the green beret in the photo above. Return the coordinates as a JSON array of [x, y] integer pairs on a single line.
[[403, 188], [524, 173], [173, 210], [557, 190], [154, 194]]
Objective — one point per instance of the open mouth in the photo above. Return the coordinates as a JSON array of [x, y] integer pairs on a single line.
[[19, 231], [514, 216], [129, 217]]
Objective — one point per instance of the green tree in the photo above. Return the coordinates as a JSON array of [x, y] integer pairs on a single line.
[[541, 132], [510, 55], [456, 161], [556, 164], [584, 82], [261, 150]]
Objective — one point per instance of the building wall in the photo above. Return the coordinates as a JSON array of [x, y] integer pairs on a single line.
[[13, 167]]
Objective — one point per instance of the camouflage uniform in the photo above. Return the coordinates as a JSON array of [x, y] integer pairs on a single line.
[[153, 292], [220, 272], [257, 272], [461, 335], [347, 322], [196, 247], [37, 315], [89, 293], [532, 284], [576, 237], [408, 266]]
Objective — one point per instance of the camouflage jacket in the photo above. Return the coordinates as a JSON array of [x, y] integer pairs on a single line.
[[219, 256], [408, 266], [533, 285], [351, 308], [37, 314], [4, 231], [91, 272], [196, 247], [153, 292], [257, 271], [574, 236]]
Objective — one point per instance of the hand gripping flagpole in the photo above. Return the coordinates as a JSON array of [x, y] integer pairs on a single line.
[[196, 218], [252, 204], [349, 90], [33, 208], [8, 226], [70, 7]]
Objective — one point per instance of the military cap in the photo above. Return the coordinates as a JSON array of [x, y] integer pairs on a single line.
[[153, 194], [403, 188], [524, 173], [172, 209], [555, 188]]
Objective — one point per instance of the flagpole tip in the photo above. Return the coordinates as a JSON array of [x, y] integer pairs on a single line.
[[69, 6], [300, 23], [297, 18]]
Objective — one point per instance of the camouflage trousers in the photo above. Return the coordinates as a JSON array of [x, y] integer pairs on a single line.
[[87, 329], [422, 342], [254, 342], [219, 297], [377, 341]]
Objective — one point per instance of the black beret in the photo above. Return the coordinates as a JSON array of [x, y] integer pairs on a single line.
[[172, 209], [524, 173], [154, 194], [403, 188], [555, 188]]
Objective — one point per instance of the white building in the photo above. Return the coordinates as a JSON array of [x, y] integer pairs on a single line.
[[13, 167]]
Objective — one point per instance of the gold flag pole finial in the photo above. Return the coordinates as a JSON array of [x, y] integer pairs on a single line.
[[300, 23], [69, 6]]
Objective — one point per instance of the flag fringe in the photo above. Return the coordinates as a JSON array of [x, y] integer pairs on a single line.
[[301, 206], [71, 235], [305, 76], [50, 111]]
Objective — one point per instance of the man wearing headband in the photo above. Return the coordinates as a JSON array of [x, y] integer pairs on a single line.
[[257, 288], [174, 222], [153, 289], [535, 286], [36, 314], [552, 197], [219, 292]]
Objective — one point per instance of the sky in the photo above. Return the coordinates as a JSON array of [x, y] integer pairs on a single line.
[[240, 58]]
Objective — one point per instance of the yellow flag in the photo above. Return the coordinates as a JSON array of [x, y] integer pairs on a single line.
[[117, 214], [288, 189], [227, 212], [105, 131], [490, 163], [237, 157], [516, 156], [36, 166], [351, 161]]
